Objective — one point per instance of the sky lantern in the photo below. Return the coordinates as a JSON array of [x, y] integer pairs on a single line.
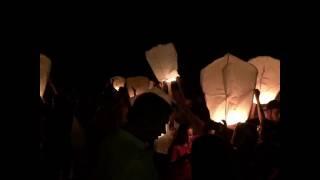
[[268, 81], [163, 61], [278, 96], [137, 85], [228, 84], [45, 68], [118, 82]]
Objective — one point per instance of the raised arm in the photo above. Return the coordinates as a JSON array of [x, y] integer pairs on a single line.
[[261, 115]]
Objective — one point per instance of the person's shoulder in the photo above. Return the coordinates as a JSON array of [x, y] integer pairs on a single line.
[[140, 166], [131, 139]]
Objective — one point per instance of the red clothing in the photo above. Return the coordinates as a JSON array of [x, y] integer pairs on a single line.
[[181, 169]]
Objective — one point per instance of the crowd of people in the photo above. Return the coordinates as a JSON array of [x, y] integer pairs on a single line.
[[112, 137]]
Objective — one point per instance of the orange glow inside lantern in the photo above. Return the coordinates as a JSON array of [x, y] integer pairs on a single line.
[[172, 79], [163, 61], [118, 82], [228, 85]]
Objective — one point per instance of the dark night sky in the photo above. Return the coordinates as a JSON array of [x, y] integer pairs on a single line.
[[82, 63]]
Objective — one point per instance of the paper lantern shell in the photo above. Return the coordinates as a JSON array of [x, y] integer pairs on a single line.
[[268, 80], [139, 83], [45, 68], [118, 82], [228, 84], [163, 62]]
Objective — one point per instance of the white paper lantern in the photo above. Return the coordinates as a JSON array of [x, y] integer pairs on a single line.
[[45, 68], [118, 82], [140, 83], [268, 81], [163, 61], [228, 85]]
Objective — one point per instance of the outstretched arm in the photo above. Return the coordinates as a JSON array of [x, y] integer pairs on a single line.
[[260, 113], [259, 107]]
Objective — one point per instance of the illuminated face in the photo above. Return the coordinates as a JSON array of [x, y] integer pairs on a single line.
[[273, 114]]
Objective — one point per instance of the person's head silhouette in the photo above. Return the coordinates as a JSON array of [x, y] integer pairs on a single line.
[[147, 116]]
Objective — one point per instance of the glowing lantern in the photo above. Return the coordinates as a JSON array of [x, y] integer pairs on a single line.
[[228, 85], [163, 62], [45, 67], [268, 81], [137, 85], [118, 82]]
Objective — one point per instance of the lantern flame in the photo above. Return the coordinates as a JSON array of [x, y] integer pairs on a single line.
[[117, 88], [163, 60], [233, 116], [161, 135], [118, 82], [171, 79]]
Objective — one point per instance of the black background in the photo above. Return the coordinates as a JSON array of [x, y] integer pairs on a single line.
[[85, 62]]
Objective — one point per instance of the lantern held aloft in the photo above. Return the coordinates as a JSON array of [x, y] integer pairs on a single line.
[[228, 84], [268, 80], [163, 62]]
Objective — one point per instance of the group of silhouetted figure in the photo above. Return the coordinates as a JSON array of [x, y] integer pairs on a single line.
[[111, 136]]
